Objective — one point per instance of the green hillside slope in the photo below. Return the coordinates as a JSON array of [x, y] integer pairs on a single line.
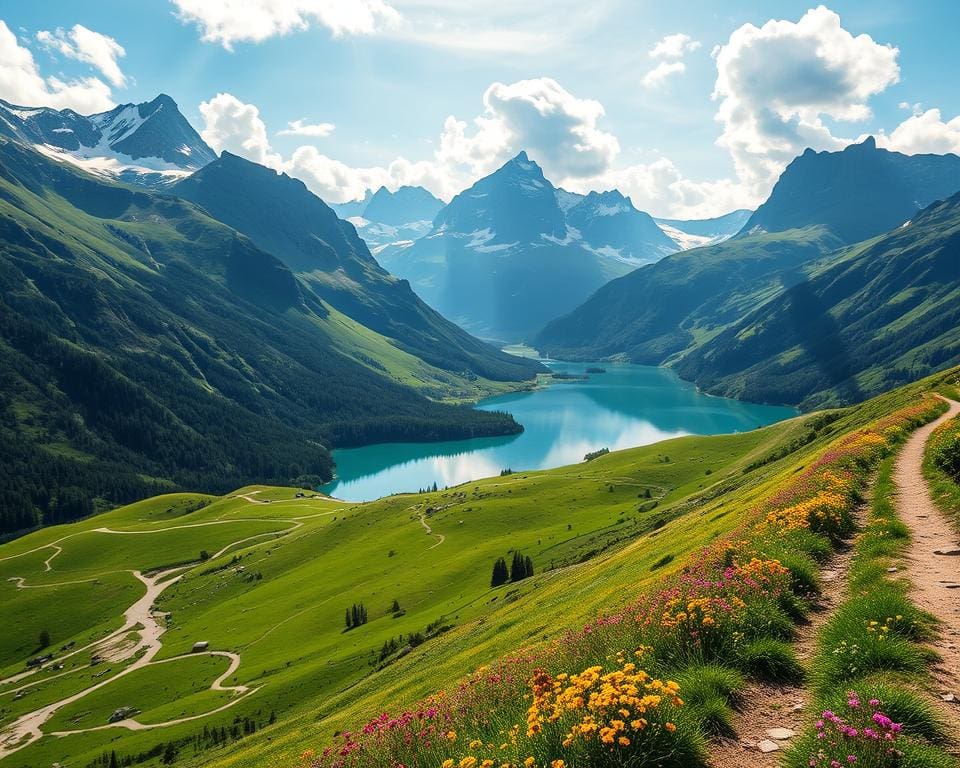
[[860, 322], [147, 347], [695, 309], [662, 309]]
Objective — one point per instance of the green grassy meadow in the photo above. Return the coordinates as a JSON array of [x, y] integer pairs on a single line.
[[598, 533]]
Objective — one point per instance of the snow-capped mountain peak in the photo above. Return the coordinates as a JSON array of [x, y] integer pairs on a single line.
[[150, 143]]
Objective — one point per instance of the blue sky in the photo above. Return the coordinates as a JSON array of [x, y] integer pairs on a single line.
[[388, 74]]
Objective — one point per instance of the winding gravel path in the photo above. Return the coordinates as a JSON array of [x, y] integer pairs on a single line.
[[138, 618], [935, 588], [932, 561], [132, 724], [426, 526]]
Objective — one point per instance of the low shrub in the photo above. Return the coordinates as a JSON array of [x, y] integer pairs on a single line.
[[770, 660]]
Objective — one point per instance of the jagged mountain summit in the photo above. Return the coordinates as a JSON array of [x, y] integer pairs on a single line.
[[282, 217], [609, 222], [513, 251], [405, 205], [694, 233], [150, 143], [391, 221], [857, 193], [352, 207]]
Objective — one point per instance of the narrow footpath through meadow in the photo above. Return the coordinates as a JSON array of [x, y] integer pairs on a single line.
[[932, 565], [770, 715]]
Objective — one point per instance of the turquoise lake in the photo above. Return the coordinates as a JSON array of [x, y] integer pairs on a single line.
[[627, 406]]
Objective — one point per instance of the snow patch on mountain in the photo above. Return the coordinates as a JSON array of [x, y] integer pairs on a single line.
[[566, 200], [684, 240], [107, 164]]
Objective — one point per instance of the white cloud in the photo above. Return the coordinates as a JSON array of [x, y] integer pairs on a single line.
[[21, 82], [231, 21], [673, 46], [97, 50], [336, 182], [302, 128], [777, 86], [465, 28], [923, 132], [231, 125], [777, 83], [669, 47], [659, 74], [471, 27], [559, 130]]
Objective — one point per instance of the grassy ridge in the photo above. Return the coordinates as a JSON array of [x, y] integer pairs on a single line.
[[860, 321], [798, 316]]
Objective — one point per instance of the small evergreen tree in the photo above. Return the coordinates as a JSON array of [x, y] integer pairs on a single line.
[[500, 573], [521, 567], [356, 615], [44, 638], [395, 608], [518, 567]]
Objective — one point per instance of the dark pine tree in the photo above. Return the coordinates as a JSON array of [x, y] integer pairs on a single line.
[[169, 754], [356, 615], [500, 573], [517, 567], [527, 567]]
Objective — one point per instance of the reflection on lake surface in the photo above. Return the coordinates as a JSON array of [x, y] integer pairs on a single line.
[[627, 406]]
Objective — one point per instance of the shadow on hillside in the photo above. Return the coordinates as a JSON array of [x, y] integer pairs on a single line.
[[819, 334]]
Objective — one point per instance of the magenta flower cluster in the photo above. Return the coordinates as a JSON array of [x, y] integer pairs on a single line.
[[864, 735]]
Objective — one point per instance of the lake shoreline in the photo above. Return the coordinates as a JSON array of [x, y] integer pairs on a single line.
[[626, 406]]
